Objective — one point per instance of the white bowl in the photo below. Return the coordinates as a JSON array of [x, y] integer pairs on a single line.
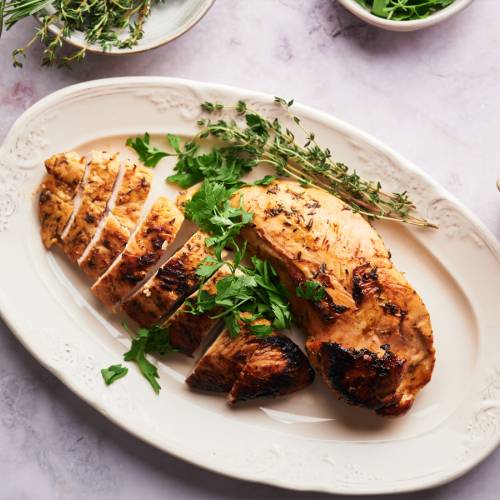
[[355, 8], [167, 22]]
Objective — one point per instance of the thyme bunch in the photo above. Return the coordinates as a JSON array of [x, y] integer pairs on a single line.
[[243, 146], [107, 23], [264, 141]]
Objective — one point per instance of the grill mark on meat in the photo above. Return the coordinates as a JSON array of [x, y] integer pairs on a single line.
[[362, 377], [98, 187], [188, 331], [58, 197], [174, 277], [394, 310], [248, 367], [171, 284], [365, 282], [382, 306], [146, 260], [144, 251], [122, 214]]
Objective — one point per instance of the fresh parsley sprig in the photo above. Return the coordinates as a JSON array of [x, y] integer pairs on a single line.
[[137, 354], [155, 340], [158, 341], [148, 154], [210, 209], [248, 294], [253, 290]]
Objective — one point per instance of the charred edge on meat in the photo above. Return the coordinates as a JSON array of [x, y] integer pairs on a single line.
[[327, 309], [365, 282], [209, 381], [293, 374], [362, 377]]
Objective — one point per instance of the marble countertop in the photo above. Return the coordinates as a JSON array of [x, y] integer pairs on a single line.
[[434, 95]]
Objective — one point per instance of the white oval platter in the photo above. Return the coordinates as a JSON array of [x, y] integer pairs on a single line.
[[308, 441]]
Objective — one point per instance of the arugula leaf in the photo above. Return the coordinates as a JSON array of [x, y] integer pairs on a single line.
[[137, 354], [148, 154], [113, 373], [311, 290]]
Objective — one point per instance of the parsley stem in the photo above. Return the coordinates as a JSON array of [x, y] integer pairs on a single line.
[[231, 309]]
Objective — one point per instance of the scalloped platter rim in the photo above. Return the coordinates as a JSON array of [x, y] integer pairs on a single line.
[[308, 441]]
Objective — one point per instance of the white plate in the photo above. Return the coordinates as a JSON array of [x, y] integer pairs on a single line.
[[413, 25], [308, 441], [168, 21]]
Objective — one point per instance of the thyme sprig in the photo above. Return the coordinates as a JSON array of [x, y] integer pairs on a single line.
[[243, 146], [108, 23], [262, 141]]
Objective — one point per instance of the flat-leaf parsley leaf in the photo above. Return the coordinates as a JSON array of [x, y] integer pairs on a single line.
[[137, 354], [148, 154], [113, 373]]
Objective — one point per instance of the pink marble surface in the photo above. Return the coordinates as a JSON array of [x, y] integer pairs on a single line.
[[433, 95]]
